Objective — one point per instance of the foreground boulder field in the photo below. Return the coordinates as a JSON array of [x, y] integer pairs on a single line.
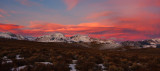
[[103, 44]]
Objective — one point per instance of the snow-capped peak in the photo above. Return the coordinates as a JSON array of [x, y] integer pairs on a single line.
[[80, 38], [58, 35], [156, 40]]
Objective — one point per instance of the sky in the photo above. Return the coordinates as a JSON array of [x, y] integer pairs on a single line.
[[118, 20]]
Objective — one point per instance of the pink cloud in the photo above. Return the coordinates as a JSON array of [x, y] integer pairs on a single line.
[[3, 11], [27, 2], [98, 15], [150, 3], [1, 16], [71, 4]]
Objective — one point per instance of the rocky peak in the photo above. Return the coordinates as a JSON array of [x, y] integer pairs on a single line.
[[80, 38], [58, 35]]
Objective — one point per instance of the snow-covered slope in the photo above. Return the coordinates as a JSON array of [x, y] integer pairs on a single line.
[[11, 36], [56, 37], [151, 43]]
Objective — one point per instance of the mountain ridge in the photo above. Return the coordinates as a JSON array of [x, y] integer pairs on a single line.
[[59, 37]]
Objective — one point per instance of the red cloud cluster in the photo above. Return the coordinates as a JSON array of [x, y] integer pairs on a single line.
[[9, 27], [17, 29]]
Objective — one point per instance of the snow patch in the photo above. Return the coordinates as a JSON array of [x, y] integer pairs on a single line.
[[45, 63], [102, 67], [18, 68], [72, 66], [6, 60], [18, 57]]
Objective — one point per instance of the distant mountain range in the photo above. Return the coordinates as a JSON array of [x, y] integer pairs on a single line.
[[59, 37], [106, 44]]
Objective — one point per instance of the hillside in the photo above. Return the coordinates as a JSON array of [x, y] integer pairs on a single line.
[[21, 55]]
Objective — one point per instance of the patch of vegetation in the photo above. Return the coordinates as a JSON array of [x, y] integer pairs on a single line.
[[62, 54]]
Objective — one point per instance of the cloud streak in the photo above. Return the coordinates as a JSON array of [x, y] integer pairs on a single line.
[[3, 13], [71, 4], [98, 15]]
